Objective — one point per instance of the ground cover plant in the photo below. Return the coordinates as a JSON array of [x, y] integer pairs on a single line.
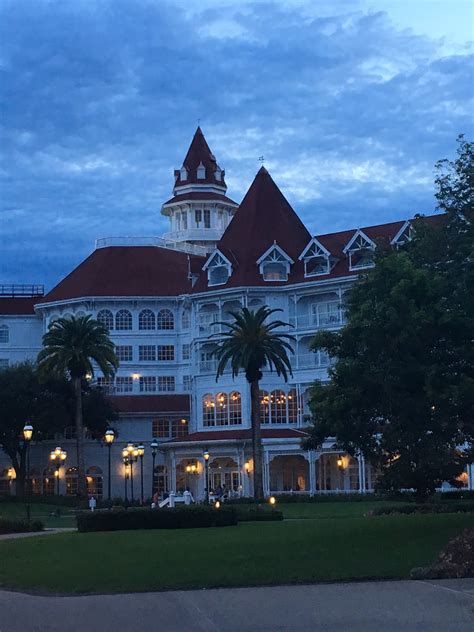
[[292, 551]]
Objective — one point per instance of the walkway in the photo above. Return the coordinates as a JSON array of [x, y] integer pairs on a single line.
[[30, 534], [442, 606]]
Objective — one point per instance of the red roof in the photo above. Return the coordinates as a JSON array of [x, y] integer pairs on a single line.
[[199, 153], [197, 196], [18, 306], [151, 403], [240, 435], [126, 271]]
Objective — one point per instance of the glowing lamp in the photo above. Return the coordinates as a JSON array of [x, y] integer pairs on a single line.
[[272, 501], [109, 436], [217, 504], [27, 432]]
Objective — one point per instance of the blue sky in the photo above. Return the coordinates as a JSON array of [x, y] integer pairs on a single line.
[[350, 101]]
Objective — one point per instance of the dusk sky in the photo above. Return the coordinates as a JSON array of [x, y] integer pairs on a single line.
[[351, 103]]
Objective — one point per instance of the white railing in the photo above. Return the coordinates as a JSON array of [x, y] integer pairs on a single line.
[[161, 242], [211, 234], [318, 320], [317, 360]]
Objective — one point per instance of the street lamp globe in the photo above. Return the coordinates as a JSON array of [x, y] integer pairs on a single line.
[[27, 432], [154, 446], [206, 455], [141, 450], [109, 436]]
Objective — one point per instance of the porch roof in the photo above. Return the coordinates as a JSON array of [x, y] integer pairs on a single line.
[[233, 436]]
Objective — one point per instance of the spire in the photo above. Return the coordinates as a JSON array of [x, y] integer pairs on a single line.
[[200, 166]]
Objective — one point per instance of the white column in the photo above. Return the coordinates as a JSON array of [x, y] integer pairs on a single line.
[[470, 476], [266, 473], [312, 472]]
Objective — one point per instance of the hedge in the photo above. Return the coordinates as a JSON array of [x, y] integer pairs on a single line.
[[19, 526], [169, 518], [452, 507]]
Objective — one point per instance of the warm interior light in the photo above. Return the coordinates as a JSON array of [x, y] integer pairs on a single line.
[[188, 468], [56, 473], [272, 500], [184, 421], [135, 376], [247, 466], [340, 462]]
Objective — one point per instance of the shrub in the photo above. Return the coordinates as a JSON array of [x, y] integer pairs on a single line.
[[452, 507], [19, 526], [175, 518], [455, 560]]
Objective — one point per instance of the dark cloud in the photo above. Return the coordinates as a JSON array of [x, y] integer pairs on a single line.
[[100, 100]]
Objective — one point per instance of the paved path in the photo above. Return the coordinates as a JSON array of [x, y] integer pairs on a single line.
[[30, 534], [443, 606]]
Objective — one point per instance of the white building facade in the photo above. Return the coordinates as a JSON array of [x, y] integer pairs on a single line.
[[160, 298]]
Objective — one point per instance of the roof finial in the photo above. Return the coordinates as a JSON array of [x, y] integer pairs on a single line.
[[261, 159]]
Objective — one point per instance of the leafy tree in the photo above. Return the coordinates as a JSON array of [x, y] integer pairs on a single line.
[[48, 405], [250, 343], [402, 386], [71, 346]]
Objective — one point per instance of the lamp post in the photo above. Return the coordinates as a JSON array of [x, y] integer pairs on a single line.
[[132, 456], [141, 452], [57, 456], [126, 463], [154, 450], [109, 439], [206, 456], [27, 434]]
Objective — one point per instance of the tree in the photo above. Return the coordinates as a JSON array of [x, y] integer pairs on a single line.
[[250, 343], [402, 386], [48, 405], [71, 346]]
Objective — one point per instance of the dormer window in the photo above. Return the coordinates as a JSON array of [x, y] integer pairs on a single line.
[[360, 250], [183, 174], [201, 172], [404, 235], [218, 174], [274, 264], [317, 260], [218, 269]]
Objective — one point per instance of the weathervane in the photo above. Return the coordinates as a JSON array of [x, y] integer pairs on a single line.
[[261, 159]]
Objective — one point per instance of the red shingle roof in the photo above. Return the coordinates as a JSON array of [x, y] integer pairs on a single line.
[[199, 153], [18, 306], [239, 435], [151, 403], [126, 271], [197, 196]]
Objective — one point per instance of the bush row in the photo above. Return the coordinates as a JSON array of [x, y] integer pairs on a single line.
[[19, 526], [175, 518], [452, 507]]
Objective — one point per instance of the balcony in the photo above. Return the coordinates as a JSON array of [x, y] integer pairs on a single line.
[[319, 320], [317, 360], [194, 234], [161, 242]]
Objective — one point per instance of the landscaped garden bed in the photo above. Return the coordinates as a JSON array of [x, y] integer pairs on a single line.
[[19, 526]]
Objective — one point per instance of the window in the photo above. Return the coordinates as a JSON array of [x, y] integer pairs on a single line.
[[94, 481], [274, 264], [361, 251], [165, 319], [160, 480], [166, 383], [218, 270], [148, 384], [3, 363], [265, 407], [146, 320], [279, 407], [201, 172], [124, 353], [106, 383], [4, 333], [71, 481], [198, 217], [316, 260], [207, 218], [186, 351], [186, 319], [183, 174], [222, 410], [235, 408], [165, 353], [186, 382], [184, 217], [170, 428], [323, 314], [106, 318], [147, 353], [178, 221], [123, 320], [124, 385], [208, 406], [70, 432], [292, 405]]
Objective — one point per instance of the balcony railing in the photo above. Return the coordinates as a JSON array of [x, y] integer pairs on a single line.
[[318, 320], [24, 290], [317, 360], [161, 242]]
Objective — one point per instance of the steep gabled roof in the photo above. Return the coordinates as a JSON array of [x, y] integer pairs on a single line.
[[264, 217], [199, 154], [127, 271]]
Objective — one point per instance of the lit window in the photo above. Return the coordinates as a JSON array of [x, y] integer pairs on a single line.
[[165, 319], [186, 351], [208, 410], [165, 353], [124, 353], [207, 218], [148, 384], [106, 318], [265, 407], [123, 320], [235, 408], [222, 411], [279, 407], [147, 353], [166, 383], [146, 320], [124, 385]]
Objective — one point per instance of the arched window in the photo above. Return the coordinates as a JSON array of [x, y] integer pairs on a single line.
[[48, 481], [146, 320], [278, 402], [186, 319], [235, 408], [4, 333], [208, 410], [94, 481], [222, 411], [165, 319], [123, 320], [292, 402], [264, 407], [106, 318], [71, 481]]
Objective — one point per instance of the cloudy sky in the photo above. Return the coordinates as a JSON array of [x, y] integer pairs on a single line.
[[350, 101]]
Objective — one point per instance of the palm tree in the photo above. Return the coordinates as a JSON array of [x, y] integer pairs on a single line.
[[70, 346], [249, 345]]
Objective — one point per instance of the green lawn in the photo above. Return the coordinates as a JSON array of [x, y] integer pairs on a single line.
[[48, 514], [248, 554], [336, 509]]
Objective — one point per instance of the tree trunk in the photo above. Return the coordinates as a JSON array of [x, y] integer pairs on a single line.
[[256, 441], [81, 474]]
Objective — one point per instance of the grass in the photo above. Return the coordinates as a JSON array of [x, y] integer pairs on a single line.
[[349, 548], [333, 509], [46, 513]]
